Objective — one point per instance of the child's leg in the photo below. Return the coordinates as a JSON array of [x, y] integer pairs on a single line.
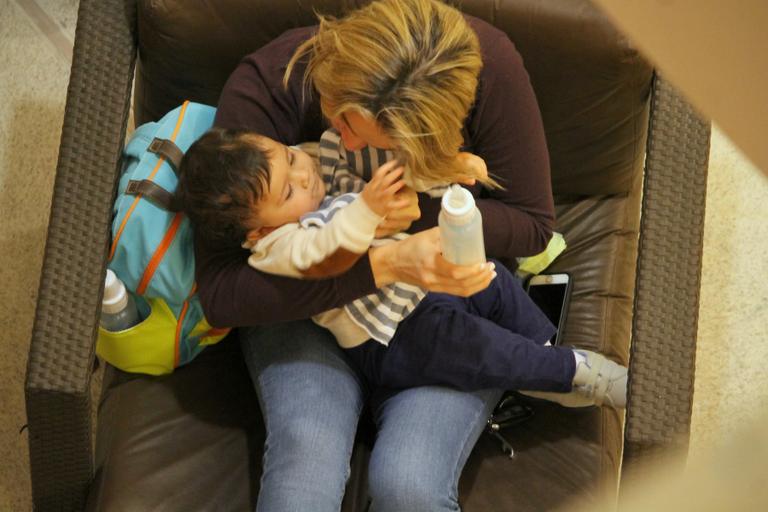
[[442, 342], [469, 352], [597, 379], [506, 304]]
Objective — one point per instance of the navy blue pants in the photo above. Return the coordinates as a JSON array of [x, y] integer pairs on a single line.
[[493, 339]]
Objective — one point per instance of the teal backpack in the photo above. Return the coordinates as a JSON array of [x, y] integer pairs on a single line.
[[152, 250]]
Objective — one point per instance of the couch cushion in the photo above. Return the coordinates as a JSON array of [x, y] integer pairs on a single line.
[[591, 84], [602, 235], [561, 456], [189, 441], [193, 440], [188, 53]]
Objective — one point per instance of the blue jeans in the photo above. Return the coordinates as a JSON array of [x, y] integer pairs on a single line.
[[311, 400]]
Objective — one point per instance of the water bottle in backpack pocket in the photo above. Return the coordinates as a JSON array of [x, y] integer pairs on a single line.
[[118, 307]]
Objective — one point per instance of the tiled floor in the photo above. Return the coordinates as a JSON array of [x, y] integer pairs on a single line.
[[35, 49]]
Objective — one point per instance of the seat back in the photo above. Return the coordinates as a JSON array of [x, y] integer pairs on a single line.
[[592, 86]]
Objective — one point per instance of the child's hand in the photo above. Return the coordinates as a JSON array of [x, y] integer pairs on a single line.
[[380, 194]]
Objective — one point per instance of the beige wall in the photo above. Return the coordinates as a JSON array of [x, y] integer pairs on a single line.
[[716, 51]]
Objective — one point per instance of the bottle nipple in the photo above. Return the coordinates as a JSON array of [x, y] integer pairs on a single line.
[[112, 287], [458, 201], [115, 295], [456, 198]]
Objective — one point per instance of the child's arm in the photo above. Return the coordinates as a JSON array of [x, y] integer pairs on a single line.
[[331, 249], [317, 251]]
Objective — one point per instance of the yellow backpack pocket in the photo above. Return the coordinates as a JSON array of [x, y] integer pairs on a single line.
[[152, 346]]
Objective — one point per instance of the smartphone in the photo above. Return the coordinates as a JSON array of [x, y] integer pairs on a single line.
[[552, 292]]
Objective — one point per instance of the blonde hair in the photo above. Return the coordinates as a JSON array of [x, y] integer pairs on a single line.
[[410, 65]]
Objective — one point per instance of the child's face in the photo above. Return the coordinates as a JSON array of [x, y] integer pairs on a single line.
[[295, 186]]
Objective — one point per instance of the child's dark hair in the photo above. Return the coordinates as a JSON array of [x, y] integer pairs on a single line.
[[222, 177]]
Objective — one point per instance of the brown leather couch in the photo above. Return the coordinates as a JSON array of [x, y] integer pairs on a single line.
[[621, 141]]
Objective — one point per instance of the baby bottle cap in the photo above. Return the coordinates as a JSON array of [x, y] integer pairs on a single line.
[[458, 201], [115, 295]]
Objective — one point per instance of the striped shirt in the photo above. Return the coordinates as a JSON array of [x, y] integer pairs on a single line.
[[378, 314], [345, 174], [347, 171]]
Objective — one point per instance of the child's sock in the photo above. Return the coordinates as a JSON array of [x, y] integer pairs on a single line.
[[579, 357]]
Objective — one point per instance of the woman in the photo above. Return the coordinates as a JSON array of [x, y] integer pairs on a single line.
[[419, 77]]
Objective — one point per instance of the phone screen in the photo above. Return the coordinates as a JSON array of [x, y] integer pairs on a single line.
[[550, 299]]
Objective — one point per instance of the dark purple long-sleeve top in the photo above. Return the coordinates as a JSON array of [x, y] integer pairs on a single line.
[[503, 127]]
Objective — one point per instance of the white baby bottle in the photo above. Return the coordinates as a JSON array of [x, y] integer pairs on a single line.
[[118, 309], [461, 227]]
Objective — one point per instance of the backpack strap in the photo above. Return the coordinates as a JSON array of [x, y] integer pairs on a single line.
[[153, 192], [168, 150]]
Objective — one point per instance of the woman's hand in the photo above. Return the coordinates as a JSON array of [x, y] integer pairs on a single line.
[[417, 260], [475, 167], [400, 219]]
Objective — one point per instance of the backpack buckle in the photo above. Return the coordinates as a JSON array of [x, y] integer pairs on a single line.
[[168, 150], [154, 193], [133, 188]]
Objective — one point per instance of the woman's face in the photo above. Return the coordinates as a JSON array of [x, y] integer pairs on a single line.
[[357, 131]]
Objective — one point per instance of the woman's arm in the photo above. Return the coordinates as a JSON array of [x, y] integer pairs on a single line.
[[506, 130], [233, 294]]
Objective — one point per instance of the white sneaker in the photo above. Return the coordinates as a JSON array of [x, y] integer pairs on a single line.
[[597, 381]]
